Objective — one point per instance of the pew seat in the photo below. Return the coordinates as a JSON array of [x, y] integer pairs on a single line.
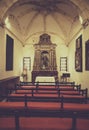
[[27, 87], [40, 95], [70, 111], [76, 107], [73, 92], [36, 91], [30, 105], [47, 87], [72, 96], [45, 106], [11, 105]]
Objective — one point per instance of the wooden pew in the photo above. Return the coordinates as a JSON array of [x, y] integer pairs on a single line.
[[71, 93], [41, 109], [75, 96], [48, 95], [47, 87], [48, 83]]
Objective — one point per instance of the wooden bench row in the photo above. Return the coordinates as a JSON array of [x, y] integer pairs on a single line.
[[71, 94], [53, 97], [46, 87], [47, 83], [41, 109], [29, 86]]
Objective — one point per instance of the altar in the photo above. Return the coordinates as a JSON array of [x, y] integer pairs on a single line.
[[45, 79], [52, 74], [45, 59]]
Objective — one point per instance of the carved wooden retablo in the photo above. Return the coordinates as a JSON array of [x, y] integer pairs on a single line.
[[45, 58]]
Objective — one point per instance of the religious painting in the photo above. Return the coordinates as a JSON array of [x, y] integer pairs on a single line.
[[78, 61], [79, 42], [9, 53], [78, 54], [44, 60], [87, 55]]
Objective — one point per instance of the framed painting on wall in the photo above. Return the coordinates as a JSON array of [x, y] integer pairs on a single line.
[[87, 55], [79, 42], [78, 54], [78, 61], [9, 53]]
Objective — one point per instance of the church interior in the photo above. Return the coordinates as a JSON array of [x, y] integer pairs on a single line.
[[44, 64]]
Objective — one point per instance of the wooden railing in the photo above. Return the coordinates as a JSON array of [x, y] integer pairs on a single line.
[[7, 83]]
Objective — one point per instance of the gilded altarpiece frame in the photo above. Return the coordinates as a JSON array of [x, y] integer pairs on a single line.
[[45, 58]]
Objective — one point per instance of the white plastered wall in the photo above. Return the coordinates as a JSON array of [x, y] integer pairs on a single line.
[[79, 77], [17, 56]]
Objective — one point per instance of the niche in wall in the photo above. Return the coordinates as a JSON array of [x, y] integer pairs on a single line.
[[9, 53], [44, 60]]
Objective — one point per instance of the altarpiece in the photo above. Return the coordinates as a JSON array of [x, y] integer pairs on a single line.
[[45, 58]]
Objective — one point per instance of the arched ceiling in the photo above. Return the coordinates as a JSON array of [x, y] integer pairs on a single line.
[[28, 19]]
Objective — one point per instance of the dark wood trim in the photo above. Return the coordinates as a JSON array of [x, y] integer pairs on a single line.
[[7, 83]]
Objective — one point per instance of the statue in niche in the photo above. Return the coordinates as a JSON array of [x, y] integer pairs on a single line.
[[44, 60]]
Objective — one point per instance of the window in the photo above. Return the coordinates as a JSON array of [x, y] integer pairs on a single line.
[[63, 63], [27, 63]]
